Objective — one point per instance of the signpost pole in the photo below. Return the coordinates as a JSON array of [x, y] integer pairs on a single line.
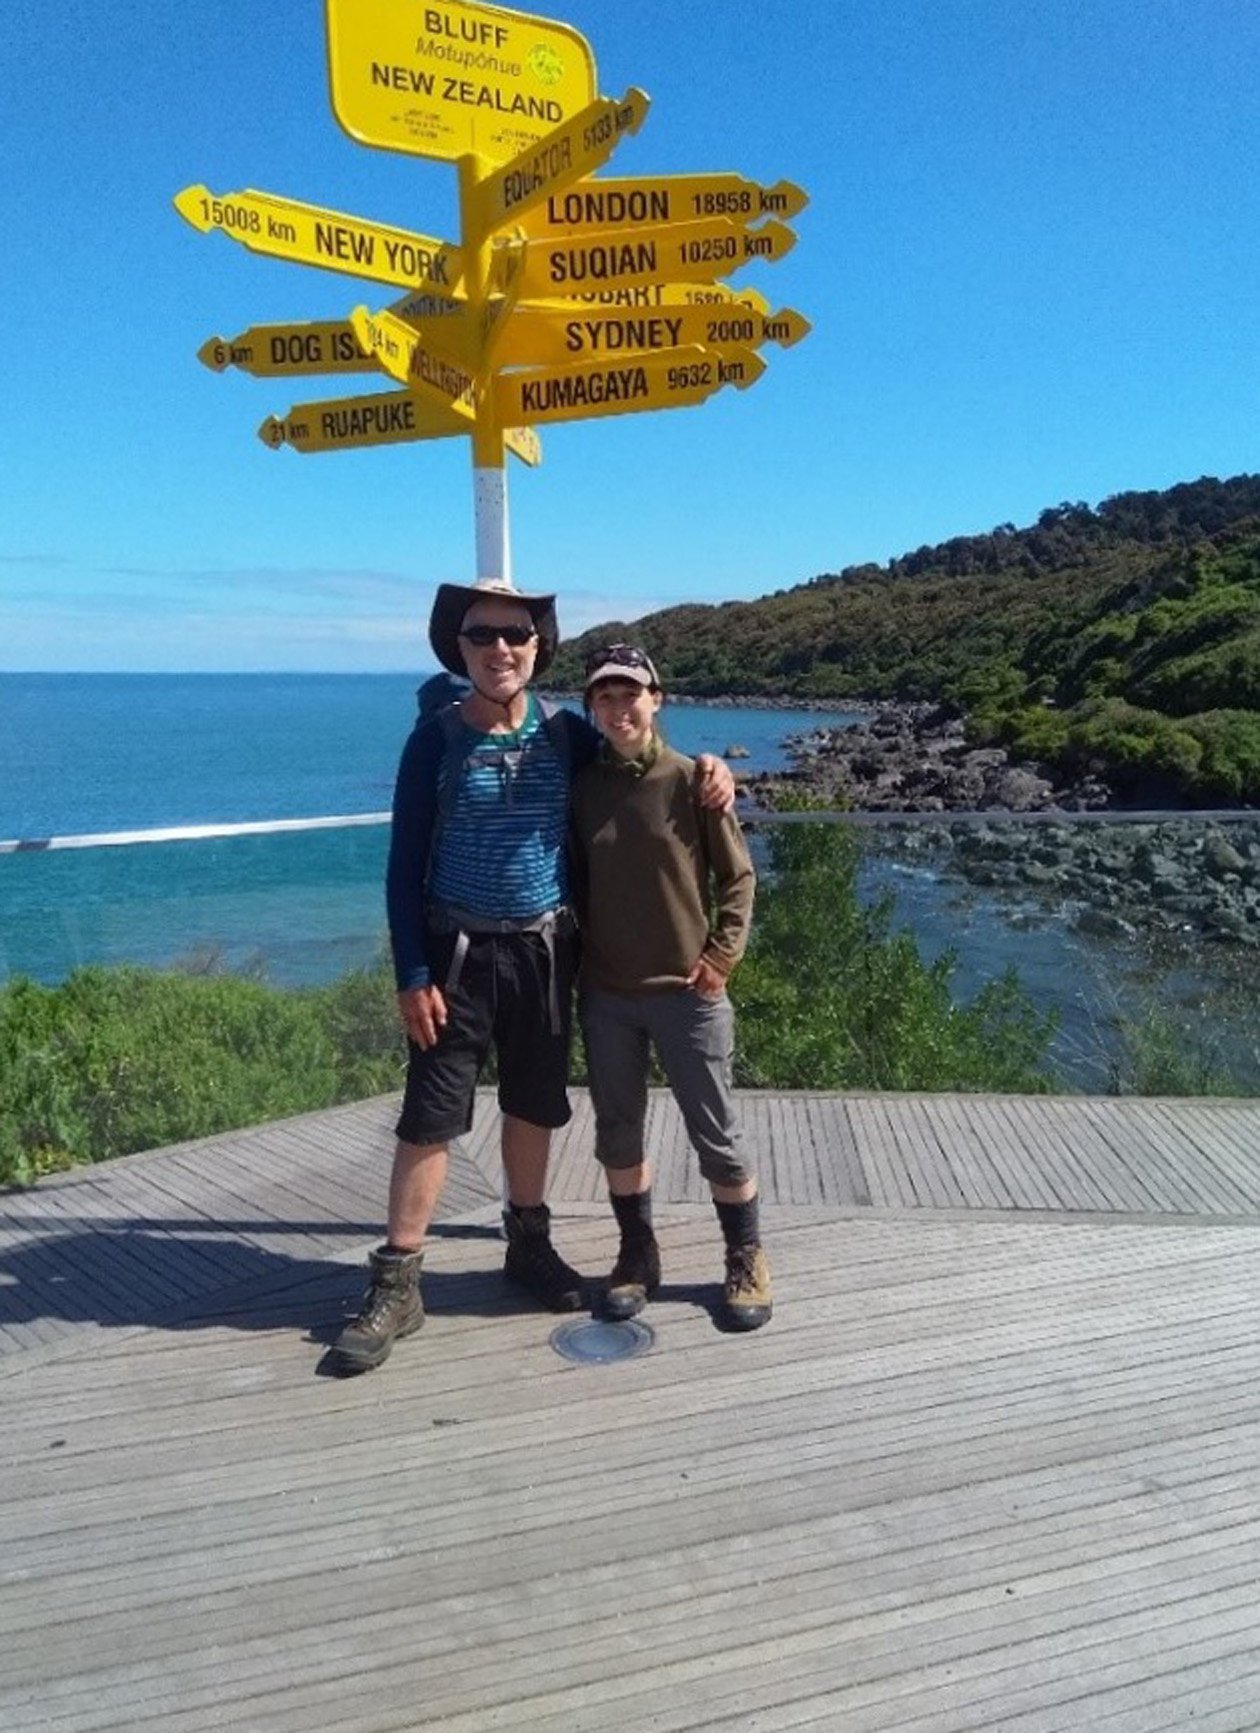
[[492, 543]]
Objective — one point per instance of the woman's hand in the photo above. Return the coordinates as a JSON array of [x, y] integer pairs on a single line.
[[706, 980]]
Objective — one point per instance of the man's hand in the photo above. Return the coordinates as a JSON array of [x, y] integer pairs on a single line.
[[423, 1011], [706, 980], [715, 786]]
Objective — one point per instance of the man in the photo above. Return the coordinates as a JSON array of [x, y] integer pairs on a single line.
[[483, 943]]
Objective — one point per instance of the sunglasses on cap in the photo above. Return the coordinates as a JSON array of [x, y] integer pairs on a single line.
[[623, 655], [515, 637]]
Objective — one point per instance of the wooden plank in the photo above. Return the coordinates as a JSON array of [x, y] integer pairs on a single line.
[[842, 1173], [1213, 1190], [1023, 1169]]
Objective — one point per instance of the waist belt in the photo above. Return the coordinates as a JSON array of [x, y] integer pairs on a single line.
[[445, 918]]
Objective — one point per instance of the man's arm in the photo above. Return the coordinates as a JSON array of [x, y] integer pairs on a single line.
[[421, 1004], [410, 844]]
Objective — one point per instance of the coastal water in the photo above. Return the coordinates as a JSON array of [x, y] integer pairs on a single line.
[[100, 753], [83, 753]]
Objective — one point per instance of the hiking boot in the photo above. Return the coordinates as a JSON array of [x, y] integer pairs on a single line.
[[635, 1278], [392, 1307], [747, 1300], [533, 1263]]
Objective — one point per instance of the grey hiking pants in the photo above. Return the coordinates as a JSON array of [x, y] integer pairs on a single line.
[[693, 1037]]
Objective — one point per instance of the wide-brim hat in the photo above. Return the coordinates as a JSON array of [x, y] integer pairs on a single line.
[[453, 601]]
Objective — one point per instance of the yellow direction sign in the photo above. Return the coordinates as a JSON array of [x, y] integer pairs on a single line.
[[455, 328], [411, 358], [674, 379], [661, 295], [621, 258], [386, 418], [285, 351], [449, 78], [561, 157], [285, 229], [536, 336], [624, 204]]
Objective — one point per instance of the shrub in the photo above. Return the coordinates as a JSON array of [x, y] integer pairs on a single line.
[[117, 1060], [830, 997]]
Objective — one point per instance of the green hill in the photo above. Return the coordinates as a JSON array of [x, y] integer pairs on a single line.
[[1125, 638]]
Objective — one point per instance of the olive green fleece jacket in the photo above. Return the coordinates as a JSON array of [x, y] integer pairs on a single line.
[[649, 864]]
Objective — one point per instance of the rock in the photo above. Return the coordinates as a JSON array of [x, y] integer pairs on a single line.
[[1033, 873], [736, 752], [1103, 924], [1020, 790], [1220, 857]]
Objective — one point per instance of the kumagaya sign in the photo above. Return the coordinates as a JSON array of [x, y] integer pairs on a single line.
[[565, 298]]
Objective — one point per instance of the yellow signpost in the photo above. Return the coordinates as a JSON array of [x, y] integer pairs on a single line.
[[309, 235], [345, 423], [622, 204], [622, 258], [568, 297], [450, 80], [285, 351], [659, 295], [384, 418], [568, 154], [674, 379], [410, 356], [554, 335]]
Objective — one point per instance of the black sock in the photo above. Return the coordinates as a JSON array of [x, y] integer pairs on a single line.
[[741, 1222], [634, 1215]]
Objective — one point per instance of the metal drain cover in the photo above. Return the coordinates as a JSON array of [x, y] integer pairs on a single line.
[[595, 1341]]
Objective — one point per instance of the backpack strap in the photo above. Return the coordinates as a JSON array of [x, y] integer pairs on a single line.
[[452, 727], [555, 721]]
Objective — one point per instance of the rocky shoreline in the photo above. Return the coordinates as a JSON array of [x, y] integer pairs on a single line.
[[1180, 878], [916, 758]]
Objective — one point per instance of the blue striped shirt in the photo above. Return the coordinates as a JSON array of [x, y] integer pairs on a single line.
[[500, 852]]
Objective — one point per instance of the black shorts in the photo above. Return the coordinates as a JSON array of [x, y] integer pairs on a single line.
[[503, 997]]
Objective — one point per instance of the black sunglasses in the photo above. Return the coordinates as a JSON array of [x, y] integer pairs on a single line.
[[516, 637], [625, 655]]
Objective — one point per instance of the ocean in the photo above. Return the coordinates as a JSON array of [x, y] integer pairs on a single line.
[[87, 754], [83, 753]]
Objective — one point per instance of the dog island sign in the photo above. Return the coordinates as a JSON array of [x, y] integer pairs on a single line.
[[452, 80]]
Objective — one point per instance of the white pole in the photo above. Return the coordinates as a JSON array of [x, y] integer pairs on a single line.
[[490, 515]]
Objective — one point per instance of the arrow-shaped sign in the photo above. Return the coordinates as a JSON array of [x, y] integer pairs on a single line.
[[412, 359], [659, 295], [565, 155], [674, 379], [285, 351], [385, 418], [536, 336], [621, 258], [309, 235], [617, 204]]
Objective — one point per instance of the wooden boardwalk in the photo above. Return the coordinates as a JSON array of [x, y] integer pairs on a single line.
[[994, 1464]]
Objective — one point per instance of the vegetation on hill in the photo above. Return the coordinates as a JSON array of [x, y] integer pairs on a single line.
[[1123, 639]]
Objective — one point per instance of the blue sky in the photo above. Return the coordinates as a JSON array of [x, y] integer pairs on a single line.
[[1031, 259]]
